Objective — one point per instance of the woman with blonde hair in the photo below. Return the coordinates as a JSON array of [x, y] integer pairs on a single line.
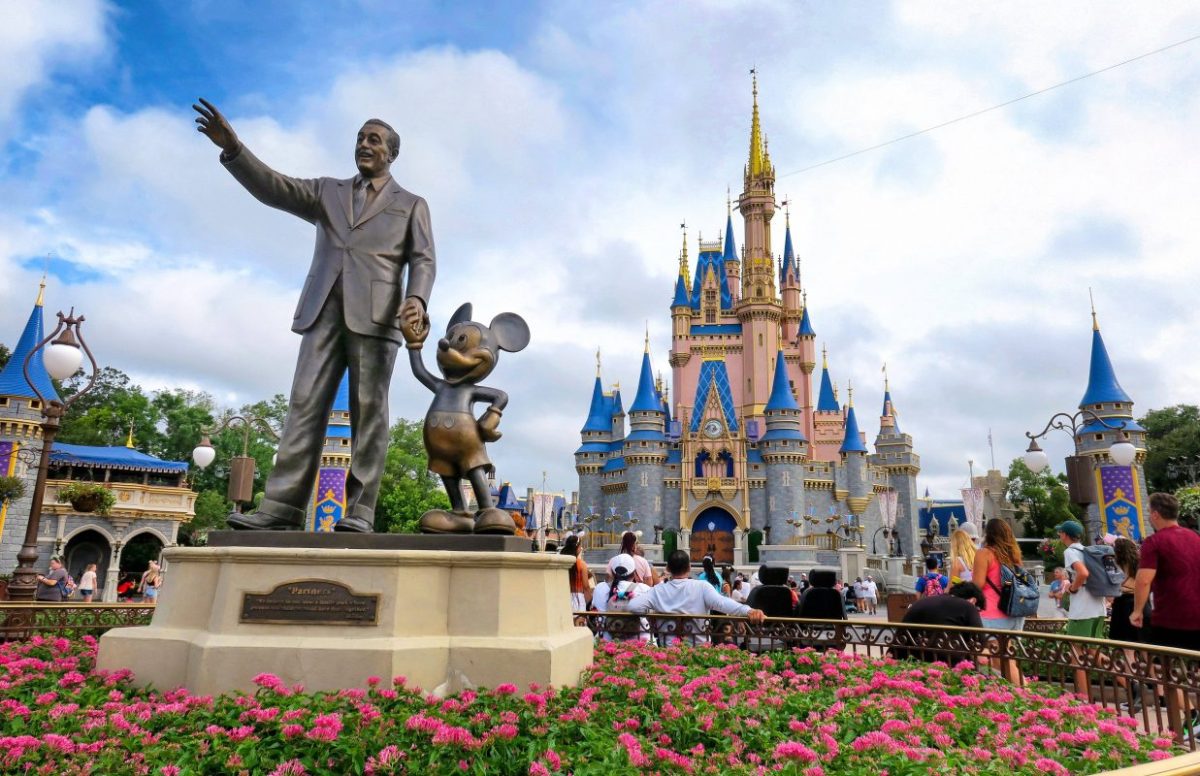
[[962, 557]]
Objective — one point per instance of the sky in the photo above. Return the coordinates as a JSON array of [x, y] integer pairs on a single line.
[[560, 146]]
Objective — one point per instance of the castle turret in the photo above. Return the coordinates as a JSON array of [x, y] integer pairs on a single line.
[[20, 426], [759, 310], [329, 496], [789, 284], [784, 450], [596, 436], [894, 455], [854, 459], [1118, 499], [645, 449], [828, 421], [729, 257]]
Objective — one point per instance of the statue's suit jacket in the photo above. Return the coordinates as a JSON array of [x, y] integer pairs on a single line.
[[370, 253]]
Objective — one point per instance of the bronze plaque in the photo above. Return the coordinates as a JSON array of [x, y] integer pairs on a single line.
[[311, 602]]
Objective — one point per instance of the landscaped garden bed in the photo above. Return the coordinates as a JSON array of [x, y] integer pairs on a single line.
[[677, 710]]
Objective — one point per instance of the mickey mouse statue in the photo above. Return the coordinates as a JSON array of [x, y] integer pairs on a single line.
[[454, 438]]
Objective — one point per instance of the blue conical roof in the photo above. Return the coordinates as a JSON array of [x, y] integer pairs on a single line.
[[730, 253], [647, 398], [826, 401], [341, 402], [1102, 380], [598, 419], [806, 329], [852, 442], [12, 377], [781, 390], [681, 294], [789, 257]]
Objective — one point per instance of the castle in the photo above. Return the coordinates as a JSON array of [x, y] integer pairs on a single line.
[[746, 454]]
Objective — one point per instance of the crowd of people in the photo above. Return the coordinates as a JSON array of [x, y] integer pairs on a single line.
[[59, 586]]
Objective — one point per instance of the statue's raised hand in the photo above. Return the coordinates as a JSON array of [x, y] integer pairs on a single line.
[[215, 126]]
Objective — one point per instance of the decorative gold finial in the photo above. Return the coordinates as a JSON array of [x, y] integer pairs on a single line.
[[1092, 299], [597, 362], [755, 168]]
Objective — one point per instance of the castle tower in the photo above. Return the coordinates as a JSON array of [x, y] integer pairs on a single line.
[[894, 455], [645, 449], [784, 450], [828, 421], [789, 284], [758, 310], [329, 496], [1121, 503], [806, 342], [20, 426], [729, 257], [596, 435], [854, 460]]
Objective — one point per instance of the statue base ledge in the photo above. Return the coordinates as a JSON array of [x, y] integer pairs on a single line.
[[329, 619]]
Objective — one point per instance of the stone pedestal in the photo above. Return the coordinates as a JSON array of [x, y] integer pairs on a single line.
[[445, 620]]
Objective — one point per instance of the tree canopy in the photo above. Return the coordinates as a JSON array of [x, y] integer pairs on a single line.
[[1043, 498]]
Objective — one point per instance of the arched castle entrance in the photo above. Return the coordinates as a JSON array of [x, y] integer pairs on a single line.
[[712, 534]]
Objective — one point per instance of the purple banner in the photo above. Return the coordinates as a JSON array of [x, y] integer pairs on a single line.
[[330, 499], [1120, 500]]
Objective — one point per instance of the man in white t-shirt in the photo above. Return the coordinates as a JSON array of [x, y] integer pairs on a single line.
[[871, 594], [1087, 614], [682, 595]]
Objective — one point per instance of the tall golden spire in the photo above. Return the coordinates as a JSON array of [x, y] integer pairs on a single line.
[[757, 157], [683, 259]]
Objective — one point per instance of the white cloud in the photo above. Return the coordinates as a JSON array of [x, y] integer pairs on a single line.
[[35, 41]]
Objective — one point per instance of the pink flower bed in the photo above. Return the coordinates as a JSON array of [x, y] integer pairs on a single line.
[[640, 709]]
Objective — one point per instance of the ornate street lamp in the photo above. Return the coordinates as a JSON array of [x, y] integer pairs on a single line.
[[62, 355], [241, 467]]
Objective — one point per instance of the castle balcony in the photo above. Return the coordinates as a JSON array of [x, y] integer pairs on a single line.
[[134, 501]]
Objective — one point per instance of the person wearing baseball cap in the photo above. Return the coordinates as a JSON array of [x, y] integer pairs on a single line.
[[1087, 614]]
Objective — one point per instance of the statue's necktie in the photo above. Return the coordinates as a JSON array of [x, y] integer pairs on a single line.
[[360, 198]]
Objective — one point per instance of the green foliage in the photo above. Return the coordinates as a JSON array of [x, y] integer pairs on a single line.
[[212, 509], [1170, 433], [89, 493], [408, 488], [1043, 497], [11, 488]]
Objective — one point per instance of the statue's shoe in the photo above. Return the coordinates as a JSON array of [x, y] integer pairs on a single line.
[[494, 521], [351, 523], [439, 521], [262, 521]]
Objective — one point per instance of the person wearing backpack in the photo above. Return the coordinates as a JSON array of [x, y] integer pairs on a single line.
[[1088, 585], [932, 583]]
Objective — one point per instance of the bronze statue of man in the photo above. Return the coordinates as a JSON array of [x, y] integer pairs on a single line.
[[355, 299]]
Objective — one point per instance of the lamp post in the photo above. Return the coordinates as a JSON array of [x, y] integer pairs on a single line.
[[241, 467], [1080, 484], [63, 352]]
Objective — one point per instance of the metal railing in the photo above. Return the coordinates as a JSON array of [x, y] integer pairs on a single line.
[[1158, 686], [19, 621]]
